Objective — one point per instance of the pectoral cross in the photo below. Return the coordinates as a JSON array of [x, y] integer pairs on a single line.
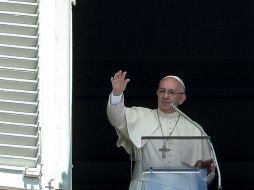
[[163, 151]]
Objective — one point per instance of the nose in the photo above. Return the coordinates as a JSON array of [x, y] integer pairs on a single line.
[[166, 95]]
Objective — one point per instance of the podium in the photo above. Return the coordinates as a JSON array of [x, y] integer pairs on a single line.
[[171, 163]]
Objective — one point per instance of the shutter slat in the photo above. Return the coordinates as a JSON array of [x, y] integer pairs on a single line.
[[12, 6], [19, 18], [18, 128], [30, 85], [26, 74], [18, 161], [18, 62], [21, 140], [24, 151], [18, 51], [15, 106], [17, 117], [18, 40], [8, 28], [15, 95], [25, 1]]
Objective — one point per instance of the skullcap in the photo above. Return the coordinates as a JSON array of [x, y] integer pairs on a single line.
[[177, 78]]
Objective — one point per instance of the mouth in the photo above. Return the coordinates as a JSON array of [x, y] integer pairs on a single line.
[[165, 103]]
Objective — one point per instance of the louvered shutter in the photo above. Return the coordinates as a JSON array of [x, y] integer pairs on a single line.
[[19, 127]]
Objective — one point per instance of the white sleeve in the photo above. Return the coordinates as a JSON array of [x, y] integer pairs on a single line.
[[115, 100]]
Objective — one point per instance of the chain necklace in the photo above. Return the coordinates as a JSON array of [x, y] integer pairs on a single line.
[[164, 148]]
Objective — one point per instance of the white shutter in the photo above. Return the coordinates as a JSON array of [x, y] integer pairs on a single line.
[[19, 127]]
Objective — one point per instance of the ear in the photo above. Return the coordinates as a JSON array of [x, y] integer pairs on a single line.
[[157, 92], [182, 98]]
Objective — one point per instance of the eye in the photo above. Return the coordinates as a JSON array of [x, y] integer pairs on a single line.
[[171, 92], [162, 91]]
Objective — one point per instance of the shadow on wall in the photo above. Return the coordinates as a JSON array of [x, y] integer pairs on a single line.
[[32, 183], [65, 182]]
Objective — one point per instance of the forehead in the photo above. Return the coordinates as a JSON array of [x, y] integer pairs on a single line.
[[169, 83]]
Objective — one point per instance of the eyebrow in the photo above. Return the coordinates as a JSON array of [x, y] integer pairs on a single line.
[[166, 89]]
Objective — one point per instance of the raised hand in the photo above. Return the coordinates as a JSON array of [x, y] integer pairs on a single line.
[[119, 83]]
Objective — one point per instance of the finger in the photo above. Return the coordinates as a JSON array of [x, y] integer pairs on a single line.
[[126, 82], [124, 74], [118, 74]]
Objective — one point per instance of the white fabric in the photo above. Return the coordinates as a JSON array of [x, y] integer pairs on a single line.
[[133, 123], [115, 99], [175, 181], [182, 153]]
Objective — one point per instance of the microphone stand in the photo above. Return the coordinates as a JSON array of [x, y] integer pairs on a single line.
[[173, 106]]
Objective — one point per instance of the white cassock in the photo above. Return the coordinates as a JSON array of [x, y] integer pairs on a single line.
[[133, 123]]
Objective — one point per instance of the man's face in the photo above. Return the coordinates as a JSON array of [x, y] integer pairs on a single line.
[[169, 92]]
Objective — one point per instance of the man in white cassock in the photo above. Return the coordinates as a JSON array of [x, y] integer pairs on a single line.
[[131, 124]]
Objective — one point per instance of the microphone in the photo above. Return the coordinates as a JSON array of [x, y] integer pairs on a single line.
[[174, 107]]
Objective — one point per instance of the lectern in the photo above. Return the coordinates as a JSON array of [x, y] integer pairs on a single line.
[[170, 163]]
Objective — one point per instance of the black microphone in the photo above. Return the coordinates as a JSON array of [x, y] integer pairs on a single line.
[[174, 107]]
